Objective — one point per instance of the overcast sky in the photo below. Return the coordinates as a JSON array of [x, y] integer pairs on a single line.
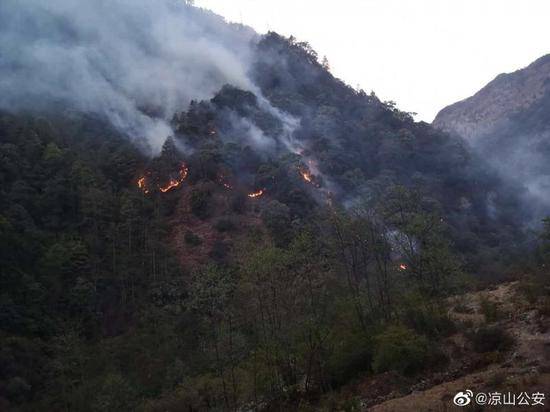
[[423, 54]]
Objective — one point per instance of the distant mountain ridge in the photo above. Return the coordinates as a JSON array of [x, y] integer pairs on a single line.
[[507, 95], [508, 124]]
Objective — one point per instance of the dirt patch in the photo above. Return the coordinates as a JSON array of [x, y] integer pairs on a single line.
[[524, 368]]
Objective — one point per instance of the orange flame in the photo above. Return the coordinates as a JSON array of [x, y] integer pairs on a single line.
[[172, 184], [307, 176], [184, 171], [142, 184], [256, 194]]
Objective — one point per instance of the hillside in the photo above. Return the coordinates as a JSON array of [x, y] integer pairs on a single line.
[[214, 222], [507, 123], [508, 95], [351, 147], [524, 366]]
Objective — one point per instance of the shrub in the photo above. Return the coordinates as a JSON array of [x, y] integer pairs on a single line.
[[17, 389], [115, 394], [490, 310], [429, 322], [219, 251], [530, 290], [427, 317], [238, 202], [463, 308], [352, 356], [544, 306], [225, 225], [276, 217], [489, 339], [496, 380], [199, 201], [192, 239], [401, 349]]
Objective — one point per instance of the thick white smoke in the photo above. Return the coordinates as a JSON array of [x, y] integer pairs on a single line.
[[134, 61]]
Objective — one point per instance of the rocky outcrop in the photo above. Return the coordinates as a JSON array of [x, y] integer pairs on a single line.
[[508, 124], [506, 96]]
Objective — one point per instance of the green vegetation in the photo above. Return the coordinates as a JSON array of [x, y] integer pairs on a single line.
[[399, 348], [98, 312], [98, 315], [199, 201], [225, 224], [192, 239], [489, 310], [490, 339], [544, 246]]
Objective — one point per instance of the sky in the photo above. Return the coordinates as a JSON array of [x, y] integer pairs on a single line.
[[422, 54]]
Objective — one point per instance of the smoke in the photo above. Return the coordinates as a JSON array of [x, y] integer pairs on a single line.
[[135, 62], [243, 129], [520, 156]]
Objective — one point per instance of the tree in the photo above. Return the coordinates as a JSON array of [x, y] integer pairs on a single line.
[[400, 349], [417, 233], [360, 241], [211, 296], [325, 63], [199, 201], [544, 246], [276, 217]]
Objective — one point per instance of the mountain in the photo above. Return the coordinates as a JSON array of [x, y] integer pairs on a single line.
[[508, 95], [196, 217], [507, 123]]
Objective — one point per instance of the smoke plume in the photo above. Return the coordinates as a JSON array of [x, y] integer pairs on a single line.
[[135, 62]]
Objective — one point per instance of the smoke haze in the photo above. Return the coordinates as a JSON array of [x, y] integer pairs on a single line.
[[136, 62]]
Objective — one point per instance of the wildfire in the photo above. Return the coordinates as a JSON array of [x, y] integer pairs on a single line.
[[142, 184], [254, 195], [307, 176], [184, 171], [176, 182], [402, 267]]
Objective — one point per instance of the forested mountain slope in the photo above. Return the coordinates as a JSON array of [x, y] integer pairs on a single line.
[[288, 232]]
